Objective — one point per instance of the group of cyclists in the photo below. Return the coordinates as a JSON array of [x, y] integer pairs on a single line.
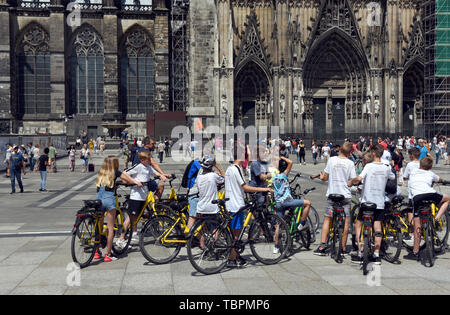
[[269, 175]]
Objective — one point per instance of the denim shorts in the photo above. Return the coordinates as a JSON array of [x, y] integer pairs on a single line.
[[107, 198], [85, 161], [193, 201], [282, 207]]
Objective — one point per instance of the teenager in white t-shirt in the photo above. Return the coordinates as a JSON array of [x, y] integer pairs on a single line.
[[207, 183], [235, 189], [421, 186], [338, 171], [138, 195], [373, 178]]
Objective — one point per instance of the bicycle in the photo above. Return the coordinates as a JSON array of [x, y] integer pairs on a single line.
[[292, 218], [296, 194], [162, 237], [433, 244], [392, 242], [149, 209], [216, 238], [368, 209], [89, 232], [336, 231]]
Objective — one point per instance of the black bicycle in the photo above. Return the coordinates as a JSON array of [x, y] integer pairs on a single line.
[[336, 231], [211, 239]]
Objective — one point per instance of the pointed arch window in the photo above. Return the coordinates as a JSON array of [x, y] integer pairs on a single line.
[[33, 62], [137, 73], [87, 71]]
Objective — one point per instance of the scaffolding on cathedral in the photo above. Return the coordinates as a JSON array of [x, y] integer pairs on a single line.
[[179, 53], [437, 67]]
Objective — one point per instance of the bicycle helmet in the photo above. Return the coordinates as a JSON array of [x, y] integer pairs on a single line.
[[207, 161]]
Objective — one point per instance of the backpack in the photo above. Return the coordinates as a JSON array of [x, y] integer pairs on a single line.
[[190, 174]]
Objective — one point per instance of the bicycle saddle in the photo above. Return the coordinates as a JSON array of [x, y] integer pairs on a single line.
[[336, 197], [96, 204], [397, 199], [368, 206]]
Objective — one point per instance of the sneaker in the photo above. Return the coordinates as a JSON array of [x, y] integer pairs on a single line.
[[109, 258], [241, 262], [232, 264], [302, 227], [410, 241], [121, 243], [97, 255], [356, 259], [376, 260], [276, 250], [412, 256], [134, 240], [320, 251]]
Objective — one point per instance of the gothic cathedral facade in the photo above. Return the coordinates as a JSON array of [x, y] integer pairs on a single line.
[[317, 68]]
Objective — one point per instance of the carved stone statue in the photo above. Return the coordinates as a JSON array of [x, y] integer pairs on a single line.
[[296, 106], [393, 107], [367, 107], [376, 106], [418, 106], [224, 104], [282, 106]]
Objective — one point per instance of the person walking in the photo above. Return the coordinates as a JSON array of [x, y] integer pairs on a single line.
[[16, 163], [161, 148], [36, 155], [71, 152], [85, 155], [42, 167]]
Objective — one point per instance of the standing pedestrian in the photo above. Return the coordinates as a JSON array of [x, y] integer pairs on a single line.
[[16, 162], [85, 155], [52, 158], [314, 150], [71, 152], [36, 155], [42, 167], [161, 148]]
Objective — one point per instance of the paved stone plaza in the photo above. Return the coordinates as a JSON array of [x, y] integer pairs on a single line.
[[35, 253]]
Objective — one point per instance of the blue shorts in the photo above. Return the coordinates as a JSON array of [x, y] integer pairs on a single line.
[[282, 207], [107, 198], [85, 161], [193, 201], [238, 221]]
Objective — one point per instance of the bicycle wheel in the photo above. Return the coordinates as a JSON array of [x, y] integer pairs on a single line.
[[442, 232], [336, 243], [263, 237], [392, 243], [367, 252], [292, 246], [209, 246], [83, 245], [305, 236], [315, 220], [151, 242], [120, 248], [429, 245]]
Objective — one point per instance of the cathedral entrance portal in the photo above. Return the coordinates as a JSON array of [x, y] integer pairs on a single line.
[[252, 96]]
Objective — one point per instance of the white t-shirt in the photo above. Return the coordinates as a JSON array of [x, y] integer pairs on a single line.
[[374, 178], [386, 158], [326, 150], [421, 181], [207, 192], [340, 171], [409, 168], [143, 174], [233, 188]]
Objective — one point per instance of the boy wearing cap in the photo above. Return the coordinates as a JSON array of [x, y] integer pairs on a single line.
[[207, 183]]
